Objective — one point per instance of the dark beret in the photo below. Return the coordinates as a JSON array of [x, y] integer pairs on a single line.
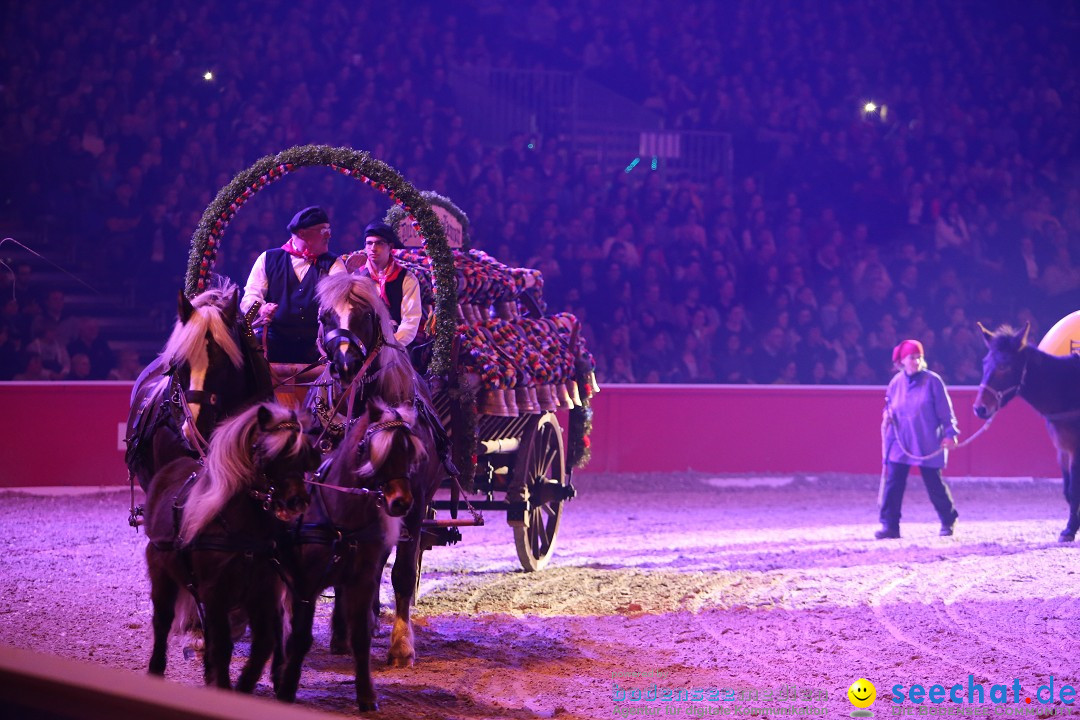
[[308, 217], [384, 231]]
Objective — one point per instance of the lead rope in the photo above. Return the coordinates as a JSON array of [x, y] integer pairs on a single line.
[[913, 456]]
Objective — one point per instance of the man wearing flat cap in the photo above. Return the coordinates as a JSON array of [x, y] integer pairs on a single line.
[[398, 287], [284, 279]]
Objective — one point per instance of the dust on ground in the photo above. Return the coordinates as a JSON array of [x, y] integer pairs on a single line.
[[659, 582]]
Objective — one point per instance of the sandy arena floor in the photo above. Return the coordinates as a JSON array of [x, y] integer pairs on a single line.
[[683, 581]]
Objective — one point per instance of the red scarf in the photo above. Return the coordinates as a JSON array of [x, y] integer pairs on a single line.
[[295, 252], [388, 275]]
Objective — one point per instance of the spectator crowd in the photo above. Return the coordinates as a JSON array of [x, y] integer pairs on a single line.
[[901, 168]]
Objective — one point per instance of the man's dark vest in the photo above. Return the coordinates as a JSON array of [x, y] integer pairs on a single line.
[[295, 326], [394, 294]]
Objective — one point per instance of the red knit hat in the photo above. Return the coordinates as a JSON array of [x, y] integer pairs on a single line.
[[908, 347]]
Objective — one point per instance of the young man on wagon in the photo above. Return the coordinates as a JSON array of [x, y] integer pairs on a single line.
[[398, 287]]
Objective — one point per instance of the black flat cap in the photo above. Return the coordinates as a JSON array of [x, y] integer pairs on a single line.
[[384, 231], [308, 217]]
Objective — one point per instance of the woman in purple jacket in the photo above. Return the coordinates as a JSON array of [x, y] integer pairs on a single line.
[[918, 427]]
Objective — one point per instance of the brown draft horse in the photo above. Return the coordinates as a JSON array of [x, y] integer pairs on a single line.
[[209, 370], [1051, 385], [212, 530], [365, 362], [358, 498]]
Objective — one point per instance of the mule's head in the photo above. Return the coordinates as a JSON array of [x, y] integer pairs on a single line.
[[1003, 368], [389, 455], [283, 455], [353, 322]]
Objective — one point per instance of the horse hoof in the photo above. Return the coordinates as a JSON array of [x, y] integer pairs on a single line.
[[406, 661], [368, 706], [1066, 536]]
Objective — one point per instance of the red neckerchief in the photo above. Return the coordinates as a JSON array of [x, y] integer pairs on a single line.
[[388, 275], [295, 252]]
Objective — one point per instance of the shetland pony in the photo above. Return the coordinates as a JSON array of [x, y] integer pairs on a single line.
[[212, 527], [1048, 383], [209, 370], [358, 498], [365, 362]]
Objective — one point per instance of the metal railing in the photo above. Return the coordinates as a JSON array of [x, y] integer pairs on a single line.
[[497, 103]]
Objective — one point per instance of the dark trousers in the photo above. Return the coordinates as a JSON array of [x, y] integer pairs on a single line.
[[893, 484]]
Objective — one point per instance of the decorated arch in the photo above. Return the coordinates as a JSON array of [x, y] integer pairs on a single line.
[[408, 201]]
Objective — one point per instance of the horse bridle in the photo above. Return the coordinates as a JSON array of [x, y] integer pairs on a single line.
[[327, 414], [377, 491], [343, 333], [266, 497], [1003, 396]]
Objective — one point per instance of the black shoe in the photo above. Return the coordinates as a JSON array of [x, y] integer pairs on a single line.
[[947, 527], [887, 533]]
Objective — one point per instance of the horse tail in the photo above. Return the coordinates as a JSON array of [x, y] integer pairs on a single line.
[[285, 608], [186, 620]]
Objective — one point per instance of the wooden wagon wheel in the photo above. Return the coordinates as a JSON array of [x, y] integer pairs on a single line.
[[541, 469]]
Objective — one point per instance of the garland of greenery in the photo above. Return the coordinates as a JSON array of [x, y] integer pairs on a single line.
[[581, 420], [465, 445], [206, 239]]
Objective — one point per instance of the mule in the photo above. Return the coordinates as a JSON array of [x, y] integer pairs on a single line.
[[1051, 385], [209, 370], [359, 496], [212, 530], [365, 362]]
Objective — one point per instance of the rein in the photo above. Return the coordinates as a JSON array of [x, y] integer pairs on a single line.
[[361, 378], [312, 366]]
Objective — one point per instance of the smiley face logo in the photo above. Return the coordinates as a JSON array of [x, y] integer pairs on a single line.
[[862, 693]]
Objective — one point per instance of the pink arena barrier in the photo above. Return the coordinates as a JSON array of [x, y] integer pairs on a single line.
[[57, 434]]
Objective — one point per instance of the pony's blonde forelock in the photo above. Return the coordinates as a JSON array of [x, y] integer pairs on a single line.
[[186, 339], [381, 442], [340, 293]]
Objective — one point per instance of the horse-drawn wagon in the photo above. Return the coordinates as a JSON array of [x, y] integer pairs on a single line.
[[499, 369], [496, 372]]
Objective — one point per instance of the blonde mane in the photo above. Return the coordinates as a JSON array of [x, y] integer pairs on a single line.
[[188, 338], [343, 293], [230, 466]]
